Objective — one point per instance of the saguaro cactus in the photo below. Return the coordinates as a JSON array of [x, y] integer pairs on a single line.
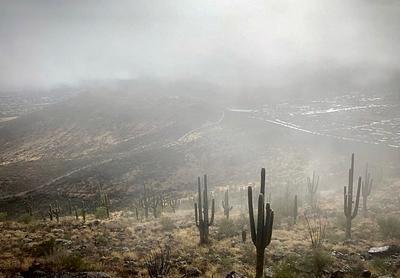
[[174, 203], [201, 212], [76, 213], [225, 205], [145, 201], [366, 187], [348, 199], [312, 187], [106, 202], [69, 206], [260, 234], [244, 236], [154, 203], [83, 211], [295, 210], [50, 213], [54, 211]]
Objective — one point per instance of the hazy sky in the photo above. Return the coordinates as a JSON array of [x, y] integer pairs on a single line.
[[47, 43]]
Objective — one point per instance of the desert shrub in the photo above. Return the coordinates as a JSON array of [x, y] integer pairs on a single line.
[[316, 226], [286, 268], [225, 264], [25, 218], [45, 248], [100, 213], [226, 228], [389, 226], [64, 261], [383, 266], [158, 264], [167, 223], [101, 240], [72, 262], [248, 253], [356, 264], [3, 216], [317, 261]]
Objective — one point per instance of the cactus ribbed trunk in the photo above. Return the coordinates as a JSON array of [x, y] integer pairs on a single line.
[[201, 211], [348, 228], [260, 263], [262, 232], [225, 205], [349, 212]]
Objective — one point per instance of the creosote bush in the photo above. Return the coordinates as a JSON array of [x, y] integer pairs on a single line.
[[286, 268], [317, 261], [311, 264], [73, 262], [45, 248], [64, 261], [226, 228], [25, 218]]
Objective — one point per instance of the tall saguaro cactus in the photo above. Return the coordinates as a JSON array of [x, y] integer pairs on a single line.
[[349, 212], [262, 232], [366, 187], [225, 205], [201, 211], [312, 187]]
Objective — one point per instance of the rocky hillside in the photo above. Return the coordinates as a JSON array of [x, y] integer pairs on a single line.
[[111, 135]]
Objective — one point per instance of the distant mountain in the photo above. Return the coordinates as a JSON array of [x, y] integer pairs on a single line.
[[120, 128]]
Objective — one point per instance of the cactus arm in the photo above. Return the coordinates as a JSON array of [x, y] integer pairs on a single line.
[[262, 187], [261, 236], [357, 199], [205, 202], [350, 192], [251, 215], [212, 212], [200, 208], [269, 220], [345, 201]]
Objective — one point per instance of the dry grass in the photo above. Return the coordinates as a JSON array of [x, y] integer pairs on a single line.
[[120, 245]]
